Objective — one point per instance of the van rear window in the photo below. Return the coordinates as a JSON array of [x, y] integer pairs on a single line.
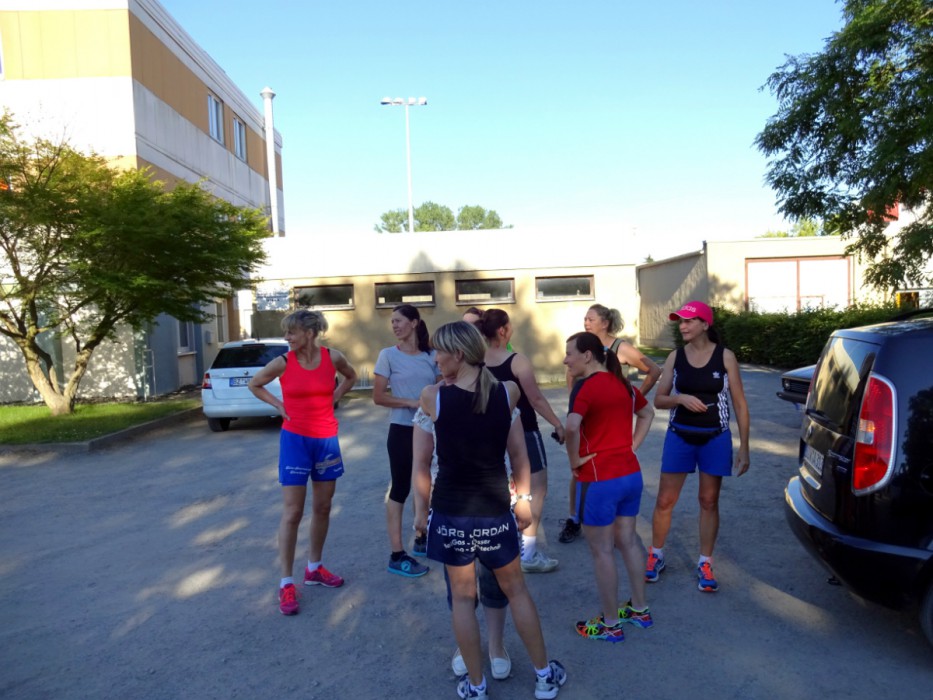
[[248, 356], [837, 387]]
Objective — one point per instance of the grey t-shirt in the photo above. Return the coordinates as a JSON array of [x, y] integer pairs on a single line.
[[407, 375]]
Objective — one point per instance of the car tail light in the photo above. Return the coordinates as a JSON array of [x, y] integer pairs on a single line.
[[874, 441], [206, 384]]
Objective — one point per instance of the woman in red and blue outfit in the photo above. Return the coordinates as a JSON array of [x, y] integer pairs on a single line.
[[308, 446], [601, 444]]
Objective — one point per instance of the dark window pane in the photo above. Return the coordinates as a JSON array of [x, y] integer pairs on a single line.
[[484, 291], [330, 296], [564, 287], [394, 293], [257, 355]]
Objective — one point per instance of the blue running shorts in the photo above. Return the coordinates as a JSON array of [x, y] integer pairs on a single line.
[[713, 458], [458, 540], [535, 446], [599, 503], [303, 457]]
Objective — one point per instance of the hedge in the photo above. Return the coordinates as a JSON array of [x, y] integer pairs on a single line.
[[787, 340]]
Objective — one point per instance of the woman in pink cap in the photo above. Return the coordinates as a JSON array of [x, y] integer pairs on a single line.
[[696, 384]]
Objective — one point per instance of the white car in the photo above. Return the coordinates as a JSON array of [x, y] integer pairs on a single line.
[[224, 391]]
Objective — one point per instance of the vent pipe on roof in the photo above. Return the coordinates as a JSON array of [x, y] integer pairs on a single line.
[[267, 96]]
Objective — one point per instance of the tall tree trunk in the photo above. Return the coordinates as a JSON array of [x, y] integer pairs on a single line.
[[43, 380]]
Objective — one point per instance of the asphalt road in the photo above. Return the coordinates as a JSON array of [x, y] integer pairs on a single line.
[[148, 570]]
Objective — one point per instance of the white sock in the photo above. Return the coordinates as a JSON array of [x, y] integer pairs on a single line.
[[285, 581], [543, 672], [704, 559], [481, 686], [658, 552], [529, 546], [314, 565]]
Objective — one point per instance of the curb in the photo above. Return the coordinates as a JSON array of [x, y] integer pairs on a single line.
[[104, 441]]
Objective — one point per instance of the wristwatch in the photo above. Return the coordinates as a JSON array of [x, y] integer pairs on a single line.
[[524, 497]]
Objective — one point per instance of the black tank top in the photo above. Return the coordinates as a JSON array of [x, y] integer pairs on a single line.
[[710, 384], [504, 373], [471, 477]]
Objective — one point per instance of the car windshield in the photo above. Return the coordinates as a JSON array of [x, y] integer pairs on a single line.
[[257, 355]]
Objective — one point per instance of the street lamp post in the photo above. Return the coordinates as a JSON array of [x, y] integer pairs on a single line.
[[410, 102]]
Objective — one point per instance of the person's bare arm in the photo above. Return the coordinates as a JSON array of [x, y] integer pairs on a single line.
[[257, 384], [740, 405], [524, 372], [345, 369]]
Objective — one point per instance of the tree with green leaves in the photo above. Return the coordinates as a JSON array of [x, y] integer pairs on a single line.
[[87, 248], [853, 136], [437, 217], [800, 229]]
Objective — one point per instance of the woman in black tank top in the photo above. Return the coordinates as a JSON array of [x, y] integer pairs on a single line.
[[507, 365], [470, 517], [697, 382]]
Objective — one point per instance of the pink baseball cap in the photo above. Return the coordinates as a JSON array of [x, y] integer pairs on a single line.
[[693, 309]]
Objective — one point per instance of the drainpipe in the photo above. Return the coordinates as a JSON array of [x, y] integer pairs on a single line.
[[267, 96]]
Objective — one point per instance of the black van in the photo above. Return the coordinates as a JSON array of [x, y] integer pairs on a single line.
[[863, 499]]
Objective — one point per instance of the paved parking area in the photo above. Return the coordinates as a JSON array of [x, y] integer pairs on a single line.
[[149, 570]]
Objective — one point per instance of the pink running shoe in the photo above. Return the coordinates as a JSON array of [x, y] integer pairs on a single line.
[[288, 599], [321, 576]]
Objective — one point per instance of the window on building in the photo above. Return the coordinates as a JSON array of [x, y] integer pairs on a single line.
[[215, 117], [220, 315], [185, 336], [479, 292], [389, 294], [239, 139], [563, 288], [328, 296]]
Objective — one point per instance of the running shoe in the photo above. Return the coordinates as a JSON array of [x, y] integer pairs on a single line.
[[707, 583], [321, 576], [465, 690], [598, 629], [654, 567], [540, 563], [288, 599], [639, 618], [570, 532], [547, 688], [420, 548], [407, 566]]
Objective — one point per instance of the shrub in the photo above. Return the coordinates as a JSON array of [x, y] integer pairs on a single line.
[[788, 340]]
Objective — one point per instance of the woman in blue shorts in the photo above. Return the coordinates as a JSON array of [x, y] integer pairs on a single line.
[[471, 517], [698, 381], [601, 445], [308, 446]]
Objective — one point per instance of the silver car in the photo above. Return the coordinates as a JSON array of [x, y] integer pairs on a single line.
[[224, 391]]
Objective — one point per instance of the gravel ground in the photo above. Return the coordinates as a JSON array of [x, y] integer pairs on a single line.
[[148, 569]]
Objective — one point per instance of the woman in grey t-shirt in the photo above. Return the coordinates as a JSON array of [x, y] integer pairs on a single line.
[[401, 372]]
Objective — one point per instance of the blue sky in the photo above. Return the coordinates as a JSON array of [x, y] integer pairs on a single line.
[[626, 117]]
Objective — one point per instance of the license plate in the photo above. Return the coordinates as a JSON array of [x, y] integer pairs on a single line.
[[813, 461], [239, 381]]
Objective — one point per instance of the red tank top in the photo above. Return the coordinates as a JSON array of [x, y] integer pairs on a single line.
[[308, 395]]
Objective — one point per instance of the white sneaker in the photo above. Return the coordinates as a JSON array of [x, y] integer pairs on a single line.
[[457, 663], [501, 667], [540, 563]]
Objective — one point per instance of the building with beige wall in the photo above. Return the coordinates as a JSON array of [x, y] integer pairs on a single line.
[[122, 79], [546, 289]]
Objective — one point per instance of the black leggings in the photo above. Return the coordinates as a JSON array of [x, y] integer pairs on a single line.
[[400, 460]]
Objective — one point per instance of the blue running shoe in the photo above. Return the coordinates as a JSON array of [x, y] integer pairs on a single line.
[[639, 618], [707, 583], [407, 566], [465, 690], [546, 688], [598, 629], [654, 567]]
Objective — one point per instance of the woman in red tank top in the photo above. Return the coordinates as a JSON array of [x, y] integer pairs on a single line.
[[308, 445]]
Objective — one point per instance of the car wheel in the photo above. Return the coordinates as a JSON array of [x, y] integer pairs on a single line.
[[926, 613], [218, 425]]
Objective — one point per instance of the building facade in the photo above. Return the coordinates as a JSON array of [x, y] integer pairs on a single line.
[[122, 79]]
